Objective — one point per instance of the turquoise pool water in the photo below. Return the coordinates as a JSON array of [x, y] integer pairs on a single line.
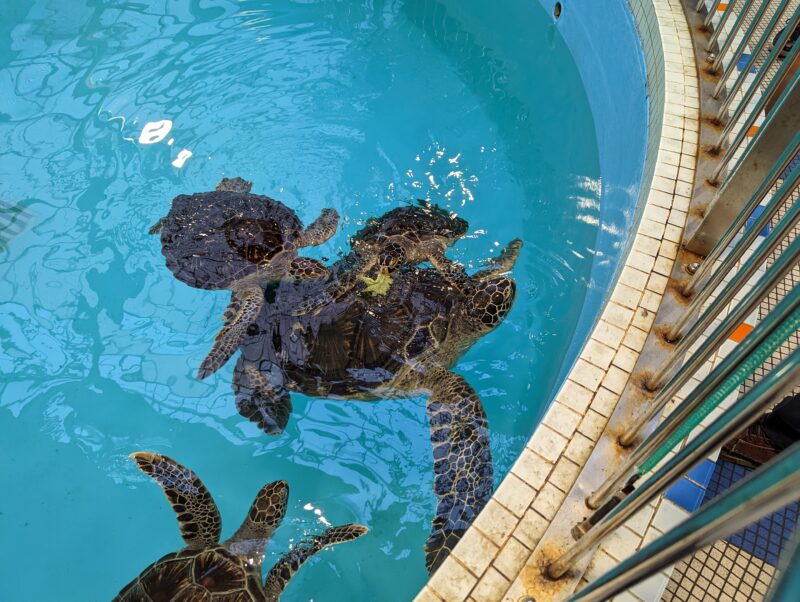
[[355, 105]]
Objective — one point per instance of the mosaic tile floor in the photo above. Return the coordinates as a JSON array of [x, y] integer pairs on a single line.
[[742, 567]]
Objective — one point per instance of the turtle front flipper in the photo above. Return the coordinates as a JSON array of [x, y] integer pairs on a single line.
[[462, 461], [279, 575], [502, 263], [230, 336], [452, 271], [264, 516], [321, 229], [197, 513], [266, 405]]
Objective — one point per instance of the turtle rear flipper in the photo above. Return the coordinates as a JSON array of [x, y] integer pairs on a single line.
[[269, 407], [462, 461], [280, 574], [320, 230], [197, 513], [264, 516], [228, 339], [234, 185], [157, 227]]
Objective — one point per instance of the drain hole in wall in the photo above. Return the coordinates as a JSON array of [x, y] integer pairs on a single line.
[[557, 11]]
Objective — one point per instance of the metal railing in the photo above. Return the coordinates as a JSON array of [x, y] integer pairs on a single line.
[[730, 279]]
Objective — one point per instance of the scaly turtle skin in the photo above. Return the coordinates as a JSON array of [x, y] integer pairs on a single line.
[[206, 570], [398, 345], [233, 239]]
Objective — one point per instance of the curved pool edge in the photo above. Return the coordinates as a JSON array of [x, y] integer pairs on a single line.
[[489, 563]]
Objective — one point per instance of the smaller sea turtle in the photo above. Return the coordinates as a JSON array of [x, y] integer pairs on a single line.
[[404, 237], [206, 570], [233, 239]]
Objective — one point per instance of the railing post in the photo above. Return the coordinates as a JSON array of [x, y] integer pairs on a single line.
[[762, 153], [741, 414], [768, 489]]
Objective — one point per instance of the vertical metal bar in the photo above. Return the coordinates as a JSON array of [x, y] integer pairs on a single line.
[[747, 174], [741, 219], [753, 262], [748, 35], [762, 41], [768, 489], [711, 13], [742, 413], [726, 45], [786, 584], [750, 120], [721, 25], [699, 394], [700, 5], [756, 83]]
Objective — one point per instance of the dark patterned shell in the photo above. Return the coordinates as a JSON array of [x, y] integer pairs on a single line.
[[197, 576], [355, 345], [414, 222], [211, 239]]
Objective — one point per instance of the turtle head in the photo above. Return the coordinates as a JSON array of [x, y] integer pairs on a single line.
[[234, 185], [488, 304]]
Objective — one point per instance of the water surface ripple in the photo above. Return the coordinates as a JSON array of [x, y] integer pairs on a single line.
[[354, 105]]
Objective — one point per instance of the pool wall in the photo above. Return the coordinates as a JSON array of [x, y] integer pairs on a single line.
[[499, 557], [602, 39]]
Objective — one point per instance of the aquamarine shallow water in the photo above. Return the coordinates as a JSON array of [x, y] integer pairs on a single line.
[[354, 105]]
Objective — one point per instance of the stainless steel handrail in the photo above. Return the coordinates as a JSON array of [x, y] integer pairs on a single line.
[[768, 489], [729, 10], [746, 38], [755, 112], [742, 413], [761, 74], [751, 264], [741, 219], [710, 16], [786, 585], [698, 395]]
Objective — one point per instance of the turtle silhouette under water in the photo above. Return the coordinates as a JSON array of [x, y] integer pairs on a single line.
[[400, 344], [232, 239], [207, 570]]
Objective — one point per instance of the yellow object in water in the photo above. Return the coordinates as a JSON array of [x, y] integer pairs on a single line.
[[379, 285]]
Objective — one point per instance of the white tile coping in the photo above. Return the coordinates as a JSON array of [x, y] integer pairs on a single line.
[[486, 564]]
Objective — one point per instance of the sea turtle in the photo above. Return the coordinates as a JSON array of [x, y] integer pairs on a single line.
[[206, 570], [232, 239], [401, 344], [404, 236]]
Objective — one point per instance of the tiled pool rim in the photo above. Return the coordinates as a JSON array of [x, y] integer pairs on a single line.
[[486, 564]]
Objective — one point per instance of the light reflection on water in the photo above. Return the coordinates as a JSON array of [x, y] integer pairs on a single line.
[[354, 105]]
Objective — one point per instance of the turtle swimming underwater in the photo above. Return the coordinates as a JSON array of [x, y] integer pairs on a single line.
[[404, 236], [232, 239], [402, 344], [207, 570]]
